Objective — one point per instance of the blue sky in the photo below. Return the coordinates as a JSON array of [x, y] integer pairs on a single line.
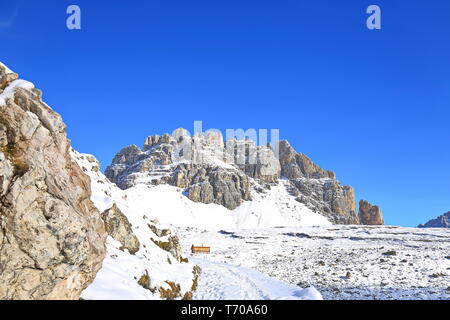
[[373, 106]]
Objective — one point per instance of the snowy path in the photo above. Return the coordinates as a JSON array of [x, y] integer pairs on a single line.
[[220, 281]]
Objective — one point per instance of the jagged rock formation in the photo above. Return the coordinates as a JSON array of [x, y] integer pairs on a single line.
[[370, 214], [119, 228], [210, 170], [318, 189], [442, 221], [160, 162], [52, 239]]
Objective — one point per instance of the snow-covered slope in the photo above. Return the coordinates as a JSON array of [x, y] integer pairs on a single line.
[[170, 206], [121, 271], [274, 208]]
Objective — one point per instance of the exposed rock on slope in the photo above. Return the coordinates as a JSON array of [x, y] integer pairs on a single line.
[[440, 222], [118, 227], [370, 214], [52, 239], [229, 173]]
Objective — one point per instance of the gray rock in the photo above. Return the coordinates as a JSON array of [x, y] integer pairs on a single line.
[[296, 165], [202, 180], [171, 245], [119, 228], [327, 197]]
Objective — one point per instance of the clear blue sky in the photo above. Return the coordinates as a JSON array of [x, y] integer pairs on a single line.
[[373, 106]]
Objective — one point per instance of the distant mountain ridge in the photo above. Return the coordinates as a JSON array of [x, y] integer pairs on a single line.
[[442, 221]]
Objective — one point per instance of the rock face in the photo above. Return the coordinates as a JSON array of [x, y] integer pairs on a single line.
[[163, 160], [440, 222], [318, 189], [296, 165], [370, 214], [52, 239], [210, 170], [119, 228]]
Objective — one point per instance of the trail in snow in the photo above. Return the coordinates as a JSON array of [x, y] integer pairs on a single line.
[[220, 281]]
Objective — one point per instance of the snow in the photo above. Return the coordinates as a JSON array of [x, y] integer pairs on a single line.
[[268, 248], [117, 279], [119, 275], [342, 262], [220, 281], [276, 208], [10, 90], [7, 70], [170, 206]]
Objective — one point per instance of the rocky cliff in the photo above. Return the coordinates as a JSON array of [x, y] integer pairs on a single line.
[[52, 238], [211, 170], [442, 221], [370, 214]]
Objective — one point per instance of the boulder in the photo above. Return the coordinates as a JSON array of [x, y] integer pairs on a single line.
[[119, 228]]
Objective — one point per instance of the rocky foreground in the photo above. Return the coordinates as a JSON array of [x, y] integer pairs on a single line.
[[342, 262], [52, 238]]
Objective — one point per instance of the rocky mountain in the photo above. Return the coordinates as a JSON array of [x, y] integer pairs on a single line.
[[442, 221], [52, 238], [230, 173]]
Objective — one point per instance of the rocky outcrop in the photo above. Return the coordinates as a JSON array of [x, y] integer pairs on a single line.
[[209, 184], [296, 165], [171, 245], [327, 197], [442, 221], [317, 188], [119, 228], [370, 214], [52, 239]]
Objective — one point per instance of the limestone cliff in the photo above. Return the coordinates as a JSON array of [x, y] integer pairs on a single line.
[[370, 214], [52, 239]]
